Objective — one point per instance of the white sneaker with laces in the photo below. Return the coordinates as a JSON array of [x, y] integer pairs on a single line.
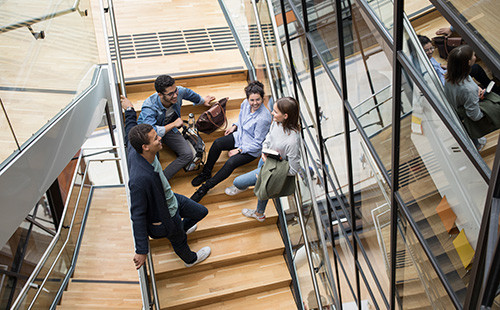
[[233, 190], [202, 254], [192, 229], [251, 213]]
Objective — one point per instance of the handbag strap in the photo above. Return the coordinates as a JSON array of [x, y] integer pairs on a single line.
[[223, 113]]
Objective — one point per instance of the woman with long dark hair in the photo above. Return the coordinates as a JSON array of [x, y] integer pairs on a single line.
[[243, 140], [283, 138], [479, 112]]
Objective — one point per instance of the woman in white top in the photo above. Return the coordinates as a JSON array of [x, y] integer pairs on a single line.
[[284, 138]]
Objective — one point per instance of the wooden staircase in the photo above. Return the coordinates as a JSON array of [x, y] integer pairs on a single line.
[[246, 268]]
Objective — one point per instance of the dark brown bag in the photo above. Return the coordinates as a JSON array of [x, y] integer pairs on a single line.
[[213, 118], [446, 44]]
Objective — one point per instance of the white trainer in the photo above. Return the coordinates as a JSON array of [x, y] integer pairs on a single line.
[[192, 229], [202, 254], [233, 190], [251, 213]]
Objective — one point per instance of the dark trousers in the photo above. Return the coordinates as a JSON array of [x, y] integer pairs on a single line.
[[191, 213], [225, 143], [176, 142]]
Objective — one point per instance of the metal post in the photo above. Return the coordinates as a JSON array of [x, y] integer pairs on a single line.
[[264, 50], [113, 140], [343, 84], [396, 130], [119, 65], [289, 49]]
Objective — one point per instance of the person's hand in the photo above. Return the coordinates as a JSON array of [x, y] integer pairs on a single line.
[[444, 67], [230, 130], [126, 103], [481, 92], [178, 123], [264, 157], [139, 260], [233, 152], [208, 99], [444, 31]]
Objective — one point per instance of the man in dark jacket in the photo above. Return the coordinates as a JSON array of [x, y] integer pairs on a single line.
[[155, 210]]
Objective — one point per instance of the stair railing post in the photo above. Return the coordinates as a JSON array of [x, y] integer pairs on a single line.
[[263, 44]]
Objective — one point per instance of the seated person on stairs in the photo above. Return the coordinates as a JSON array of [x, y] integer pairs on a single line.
[[155, 210], [479, 112], [243, 140], [284, 138], [162, 110]]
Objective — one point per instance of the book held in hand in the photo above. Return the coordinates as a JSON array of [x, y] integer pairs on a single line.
[[272, 154]]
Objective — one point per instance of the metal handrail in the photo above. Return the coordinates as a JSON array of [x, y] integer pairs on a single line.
[[32, 21], [45, 256], [22, 295], [264, 50]]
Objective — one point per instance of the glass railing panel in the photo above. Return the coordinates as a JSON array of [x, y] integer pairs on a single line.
[[420, 62], [372, 200], [383, 9], [41, 77], [12, 14], [7, 138], [417, 284], [59, 260], [368, 69], [441, 187], [305, 198], [481, 17]]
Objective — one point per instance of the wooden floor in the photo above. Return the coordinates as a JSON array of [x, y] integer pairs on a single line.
[[105, 276]]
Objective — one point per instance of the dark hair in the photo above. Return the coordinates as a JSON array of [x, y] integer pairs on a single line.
[[254, 87], [458, 64], [162, 82], [138, 136], [423, 40], [289, 106]]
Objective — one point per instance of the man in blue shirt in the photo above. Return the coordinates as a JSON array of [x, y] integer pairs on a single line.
[[155, 209], [162, 110]]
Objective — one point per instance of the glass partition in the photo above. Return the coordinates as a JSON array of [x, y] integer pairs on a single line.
[[432, 169], [46, 63]]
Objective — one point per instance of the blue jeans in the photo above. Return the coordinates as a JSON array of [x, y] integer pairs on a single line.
[[249, 179], [191, 213]]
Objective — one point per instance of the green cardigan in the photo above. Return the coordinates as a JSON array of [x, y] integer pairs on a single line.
[[273, 180], [488, 123]]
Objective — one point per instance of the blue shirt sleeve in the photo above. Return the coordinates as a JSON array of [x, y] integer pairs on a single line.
[[188, 94]]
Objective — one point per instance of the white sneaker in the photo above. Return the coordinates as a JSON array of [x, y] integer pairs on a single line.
[[251, 213], [192, 229], [233, 190], [202, 254]]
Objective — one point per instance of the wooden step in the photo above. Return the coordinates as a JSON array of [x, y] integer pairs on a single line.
[[232, 89], [226, 282], [92, 295], [190, 80], [182, 185], [227, 249], [225, 216], [491, 143], [274, 299]]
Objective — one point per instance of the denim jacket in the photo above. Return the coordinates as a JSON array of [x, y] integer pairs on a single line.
[[153, 111]]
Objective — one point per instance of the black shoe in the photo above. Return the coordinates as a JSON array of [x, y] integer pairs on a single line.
[[202, 177], [200, 193]]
